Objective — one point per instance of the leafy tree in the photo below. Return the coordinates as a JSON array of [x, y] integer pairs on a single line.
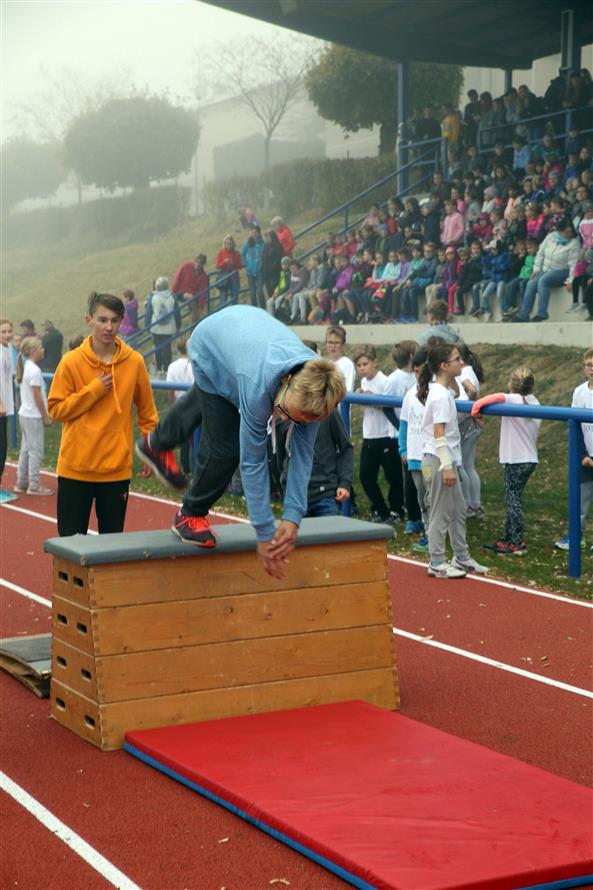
[[29, 170], [132, 142], [357, 90]]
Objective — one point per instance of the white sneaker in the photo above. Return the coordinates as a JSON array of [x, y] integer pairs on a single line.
[[41, 490], [486, 316], [470, 566], [574, 308], [445, 570]]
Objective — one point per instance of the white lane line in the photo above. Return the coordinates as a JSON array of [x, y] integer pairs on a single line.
[[571, 601], [473, 656], [73, 840], [31, 596], [35, 515]]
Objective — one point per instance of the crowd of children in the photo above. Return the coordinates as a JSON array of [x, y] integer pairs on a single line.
[[508, 225]]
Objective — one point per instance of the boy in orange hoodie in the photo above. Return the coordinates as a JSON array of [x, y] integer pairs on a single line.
[[92, 394]]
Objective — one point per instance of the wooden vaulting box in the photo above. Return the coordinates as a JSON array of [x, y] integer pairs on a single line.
[[149, 631]]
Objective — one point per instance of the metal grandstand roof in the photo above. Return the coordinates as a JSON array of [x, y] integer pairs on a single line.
[[486, 33]]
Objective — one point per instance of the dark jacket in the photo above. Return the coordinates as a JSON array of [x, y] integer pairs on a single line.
[[52, 343], [333, 459], [470, 274], [495, 268]]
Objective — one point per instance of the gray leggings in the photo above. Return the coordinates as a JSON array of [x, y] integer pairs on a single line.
[[470, 481], [446, 508], [418, 480], [31, 454]]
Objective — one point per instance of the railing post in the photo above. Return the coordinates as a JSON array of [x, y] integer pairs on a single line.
[[345, 412], [403, 72], [574, 499], [346, 220]]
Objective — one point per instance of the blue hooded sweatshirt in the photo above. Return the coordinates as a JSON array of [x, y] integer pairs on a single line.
[[242, 354]]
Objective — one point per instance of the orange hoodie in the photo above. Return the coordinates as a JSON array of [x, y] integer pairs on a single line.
[[97, 431]]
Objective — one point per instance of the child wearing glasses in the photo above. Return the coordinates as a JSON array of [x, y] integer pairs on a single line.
[[582, 397], [248, 369], [440, 464]]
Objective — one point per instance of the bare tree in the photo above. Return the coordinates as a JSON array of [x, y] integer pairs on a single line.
[[264, 75]]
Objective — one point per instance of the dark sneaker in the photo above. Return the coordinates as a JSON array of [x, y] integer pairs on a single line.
[[377, 517], [194, 530], [499, 546], [162, 463]]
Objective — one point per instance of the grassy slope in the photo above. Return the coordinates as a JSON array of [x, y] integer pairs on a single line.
[[55, 284]]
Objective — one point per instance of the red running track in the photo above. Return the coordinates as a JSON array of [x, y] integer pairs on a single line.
[[163, 837]]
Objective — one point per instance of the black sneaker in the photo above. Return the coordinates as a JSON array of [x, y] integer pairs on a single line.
[[162, 463], [194, 530]]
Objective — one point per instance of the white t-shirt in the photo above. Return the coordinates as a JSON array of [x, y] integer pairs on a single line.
[[518, 435], [31, 377], [467, 373], [412, 413], [582, 397], [440, 408], [346, 366], [180, 371], [374, 423], [398, 384], [6, 393]]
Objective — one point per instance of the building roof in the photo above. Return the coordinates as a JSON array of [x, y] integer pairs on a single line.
[[493, 34]]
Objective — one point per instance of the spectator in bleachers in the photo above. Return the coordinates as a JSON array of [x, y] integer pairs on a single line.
[[453, 225], [495, 274], [165, 323], [428, 127], [129, 323], [576, 97], [521, 156], [450, 126], [299, 279], [248, 219], [431, 222], [285, 236], [307, 299], [271, 264], [189, 280], [554, 266], [275, 303], [252, 256], [228, 264], [513, 294], [517, 227], [534, 220], [499, 224], [487, 119], [470, 273], [422, 276]]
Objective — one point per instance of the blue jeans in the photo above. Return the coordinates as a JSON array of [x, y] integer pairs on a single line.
[[256, 290], [514, 289], [228, 287], [490, 288], [324, 507], [542, 286]]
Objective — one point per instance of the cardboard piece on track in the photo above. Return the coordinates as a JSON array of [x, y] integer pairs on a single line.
[[28, 660], [385, 802]]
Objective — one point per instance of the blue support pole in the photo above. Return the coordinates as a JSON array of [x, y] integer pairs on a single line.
[[574, 499], [344, 409], [508, 79]]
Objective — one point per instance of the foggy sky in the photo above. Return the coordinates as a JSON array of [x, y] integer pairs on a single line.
[[156, 40]]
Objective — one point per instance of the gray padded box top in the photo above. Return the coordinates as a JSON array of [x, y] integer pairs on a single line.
[[88, 550]]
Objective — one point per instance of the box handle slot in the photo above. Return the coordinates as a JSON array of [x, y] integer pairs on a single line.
[[86, 675], [89, 721], [62, 619], [61, 704], [63, 576], [61, 661], [78, 582], [80, 627]]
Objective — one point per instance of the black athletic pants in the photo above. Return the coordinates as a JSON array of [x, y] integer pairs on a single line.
[[218, 452], [377, 453], [75, 500]]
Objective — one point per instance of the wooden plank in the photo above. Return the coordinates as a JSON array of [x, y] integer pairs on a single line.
[[74, 668], [239, 663], [246, 616], [71, 581], [227, 574], [378, 687], [73, 624]]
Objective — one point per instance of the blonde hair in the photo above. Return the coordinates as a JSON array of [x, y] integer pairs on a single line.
[[365, 351], [319, 387], [522, 381], [588, 354], [28, 347]]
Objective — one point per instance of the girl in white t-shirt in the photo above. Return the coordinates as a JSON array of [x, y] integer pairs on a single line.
[[33, 417], [440, 464], [379, 448], [180, 371], [517, 453]]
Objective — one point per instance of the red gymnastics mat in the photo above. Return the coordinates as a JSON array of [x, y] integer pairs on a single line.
[[383, 801]]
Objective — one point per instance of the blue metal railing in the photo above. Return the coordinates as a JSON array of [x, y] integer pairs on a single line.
[[574, 417], [529, 122]]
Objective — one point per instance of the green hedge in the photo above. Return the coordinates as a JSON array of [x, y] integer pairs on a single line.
[[143, 214], [299, 186]]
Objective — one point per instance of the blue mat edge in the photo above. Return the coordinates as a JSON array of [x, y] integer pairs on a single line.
[[305, 851], [277, 835]]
